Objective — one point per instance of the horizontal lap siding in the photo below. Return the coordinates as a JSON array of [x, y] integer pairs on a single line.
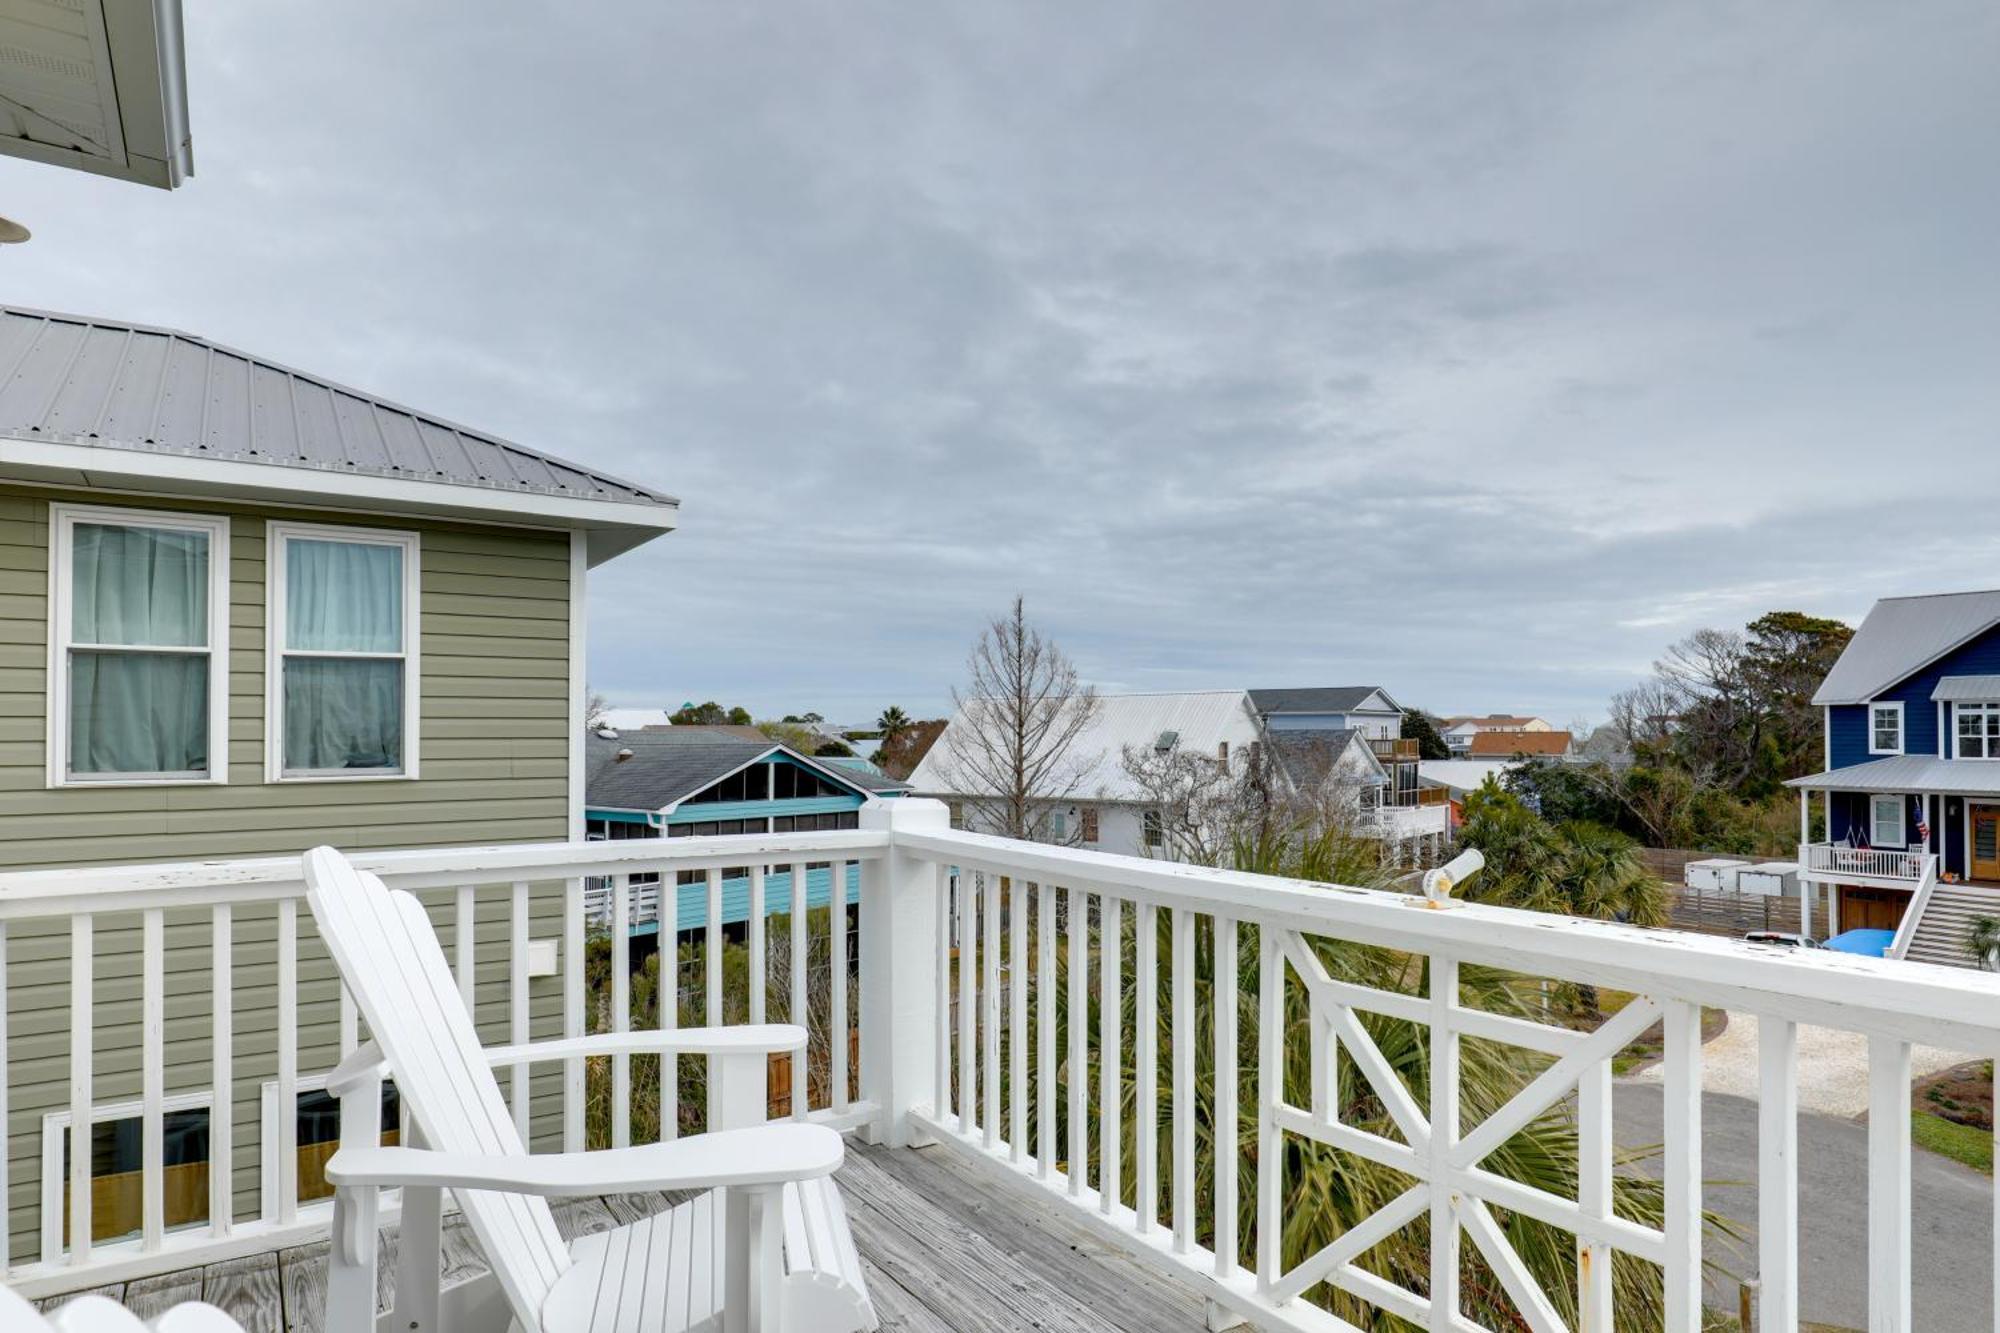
[[494, 758]]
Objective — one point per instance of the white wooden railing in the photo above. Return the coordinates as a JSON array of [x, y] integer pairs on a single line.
[[237, 928], [1913, 915], [1829, 861], [999, 983]]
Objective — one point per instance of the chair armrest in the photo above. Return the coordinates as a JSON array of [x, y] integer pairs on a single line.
[[767, 1155], [744, 1039]]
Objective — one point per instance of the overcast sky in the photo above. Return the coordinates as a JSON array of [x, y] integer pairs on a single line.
[[1477, 351]]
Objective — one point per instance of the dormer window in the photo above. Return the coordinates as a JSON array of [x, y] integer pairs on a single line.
[[1978, 730], [1885, 728]]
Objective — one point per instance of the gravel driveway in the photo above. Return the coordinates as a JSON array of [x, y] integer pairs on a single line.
[[1833, 1066]]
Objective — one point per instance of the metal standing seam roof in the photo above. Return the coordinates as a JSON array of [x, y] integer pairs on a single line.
[[71, 379], [1967, 689], [1317, 699], [1902, 635], [1910, 773]]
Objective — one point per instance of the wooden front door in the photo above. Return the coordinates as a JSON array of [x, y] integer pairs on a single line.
[[1985, 842], [1872, 909]]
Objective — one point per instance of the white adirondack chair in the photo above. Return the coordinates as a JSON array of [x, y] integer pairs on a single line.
[[95, 1314], [765, 1250]]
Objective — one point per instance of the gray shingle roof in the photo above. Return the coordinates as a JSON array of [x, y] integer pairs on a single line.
[[71, 379], [1306, 755], [676, 762], [1320, 699], [1901, 635]]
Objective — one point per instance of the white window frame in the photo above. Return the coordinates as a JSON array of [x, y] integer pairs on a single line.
[[275, 578], [1902, 839], [55, 1137], [1885, 706], [267, 1150], [1982, 709], [63, 519]]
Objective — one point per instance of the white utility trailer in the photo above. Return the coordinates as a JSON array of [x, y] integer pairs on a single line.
[[1715, 875], [1769, 879]]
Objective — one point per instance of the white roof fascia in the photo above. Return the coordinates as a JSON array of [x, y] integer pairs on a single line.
[[611, 527]]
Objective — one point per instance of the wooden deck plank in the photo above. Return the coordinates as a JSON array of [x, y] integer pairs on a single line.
[[151, 1297], [115, 1291], [946, 1249], [248, 1290], [1051, 1244], [933, 1248]]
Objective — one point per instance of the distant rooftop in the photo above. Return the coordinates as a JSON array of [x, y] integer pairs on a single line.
[[1507, 744], [1316, 699]]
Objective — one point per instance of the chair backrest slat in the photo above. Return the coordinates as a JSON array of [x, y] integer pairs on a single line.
[[389, 956]]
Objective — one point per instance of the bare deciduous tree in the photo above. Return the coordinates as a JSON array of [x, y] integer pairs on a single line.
[[1009, 753]]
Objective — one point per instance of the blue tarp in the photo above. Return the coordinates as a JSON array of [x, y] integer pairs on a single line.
[[1868, 943]]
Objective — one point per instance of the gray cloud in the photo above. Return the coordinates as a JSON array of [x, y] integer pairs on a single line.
[[1479, 352]]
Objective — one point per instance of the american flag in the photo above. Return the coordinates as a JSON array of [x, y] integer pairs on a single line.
[[1923, 824]]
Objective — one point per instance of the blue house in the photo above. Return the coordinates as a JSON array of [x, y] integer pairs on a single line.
[[1910, 794], [684, 782]]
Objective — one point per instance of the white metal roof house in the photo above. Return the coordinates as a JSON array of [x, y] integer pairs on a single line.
[[1317, 741], [1910, 794]]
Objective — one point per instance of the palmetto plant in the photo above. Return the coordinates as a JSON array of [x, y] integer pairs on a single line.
[[1982, 942]]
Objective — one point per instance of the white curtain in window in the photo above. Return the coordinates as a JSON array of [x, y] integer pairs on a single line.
[[343, 597], [343, 712], [138, 712]]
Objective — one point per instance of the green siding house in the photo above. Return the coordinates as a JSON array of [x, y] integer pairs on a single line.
[[243, 611]]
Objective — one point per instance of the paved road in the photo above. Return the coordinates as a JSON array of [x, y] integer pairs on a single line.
[[1952, 1205]]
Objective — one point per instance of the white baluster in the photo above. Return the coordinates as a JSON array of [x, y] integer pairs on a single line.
[[1017, 1021], [839, 1029], [573, 1014], [1227, 1057], [968, 1000], [1145, 1067], [288, 1061], [1270, 1094], [222, 1067], [1444, 1267], [1681, 1056], [801, 972], [1047, 1145], [1110, 1057], [1777, 1173], [518, 1082], [1079, 1040], [621, 1006], [81, 1025], [152, 1077], [1183, 1090], [1888, 1185], [755, 933]]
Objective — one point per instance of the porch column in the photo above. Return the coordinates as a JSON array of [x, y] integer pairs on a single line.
[[1805, 817], [899, 969]]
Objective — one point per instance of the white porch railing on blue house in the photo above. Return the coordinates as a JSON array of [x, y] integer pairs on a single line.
[[962, 937]]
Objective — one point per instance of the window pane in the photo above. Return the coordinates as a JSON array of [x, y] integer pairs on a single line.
[[139, 586], [116, 1179], [343, 597], [138, 712], [319, 1136], [343, 713]]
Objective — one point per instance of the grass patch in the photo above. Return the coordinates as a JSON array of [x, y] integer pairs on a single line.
[[1961, 1143]]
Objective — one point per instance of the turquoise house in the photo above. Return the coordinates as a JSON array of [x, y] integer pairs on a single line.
[[685, 782]]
